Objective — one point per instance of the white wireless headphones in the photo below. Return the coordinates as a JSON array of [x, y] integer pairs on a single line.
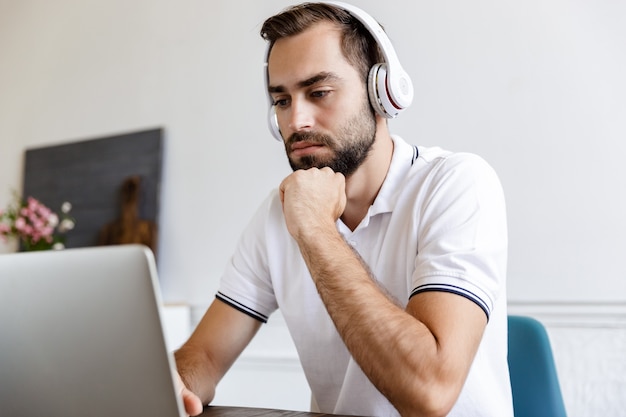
[[389, 87]]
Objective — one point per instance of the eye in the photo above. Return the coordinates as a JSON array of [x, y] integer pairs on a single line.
[[280, 102], [320, 93]]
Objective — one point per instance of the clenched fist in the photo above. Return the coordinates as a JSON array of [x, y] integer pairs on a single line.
[[313, 200]]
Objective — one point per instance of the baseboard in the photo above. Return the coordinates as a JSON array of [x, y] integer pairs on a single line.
[[573, 314]]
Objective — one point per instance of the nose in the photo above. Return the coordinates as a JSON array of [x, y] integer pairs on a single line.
[[300, 116]]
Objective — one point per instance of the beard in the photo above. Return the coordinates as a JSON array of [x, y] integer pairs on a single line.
[[351, 148]]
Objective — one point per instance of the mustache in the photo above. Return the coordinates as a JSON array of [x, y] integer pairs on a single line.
[[309, 137]]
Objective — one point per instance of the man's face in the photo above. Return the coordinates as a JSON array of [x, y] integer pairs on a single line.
[[321, 102]]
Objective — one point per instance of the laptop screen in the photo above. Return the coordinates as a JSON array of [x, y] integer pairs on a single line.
[[81, 334]]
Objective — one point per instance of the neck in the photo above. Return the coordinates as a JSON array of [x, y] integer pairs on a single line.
[[363, 186]]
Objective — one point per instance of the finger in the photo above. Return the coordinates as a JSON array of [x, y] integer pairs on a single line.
[[191, 402], [193, 405], [281, 192]]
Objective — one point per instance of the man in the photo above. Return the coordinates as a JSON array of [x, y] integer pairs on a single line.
[[387, 260]]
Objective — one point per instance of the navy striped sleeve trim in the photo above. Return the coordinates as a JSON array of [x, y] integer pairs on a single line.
[[238, 306], [454, 290]]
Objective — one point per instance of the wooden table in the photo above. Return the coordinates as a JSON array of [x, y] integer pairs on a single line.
[[221, 411]]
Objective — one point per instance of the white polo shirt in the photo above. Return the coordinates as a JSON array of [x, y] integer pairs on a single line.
[[437, 224]]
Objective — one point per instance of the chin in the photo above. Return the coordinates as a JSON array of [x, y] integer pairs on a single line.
[[307, 162]]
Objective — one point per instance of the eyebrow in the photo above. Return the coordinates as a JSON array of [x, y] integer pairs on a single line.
[[318, 78]]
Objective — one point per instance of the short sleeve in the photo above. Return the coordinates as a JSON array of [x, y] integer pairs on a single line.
[[246, 284], [462, 237]]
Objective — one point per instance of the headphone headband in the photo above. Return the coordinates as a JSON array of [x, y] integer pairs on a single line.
[[389, 87], [399, 86]]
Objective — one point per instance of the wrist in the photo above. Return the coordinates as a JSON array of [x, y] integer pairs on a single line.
[[315, 233]]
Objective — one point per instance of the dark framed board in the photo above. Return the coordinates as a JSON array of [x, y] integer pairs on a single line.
[[89, 174]]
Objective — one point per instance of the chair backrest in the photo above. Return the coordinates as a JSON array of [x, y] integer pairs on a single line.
[[534, 381]]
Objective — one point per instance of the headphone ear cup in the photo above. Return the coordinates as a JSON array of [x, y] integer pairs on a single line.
[[272, 122], [378, 92], [372, 91]]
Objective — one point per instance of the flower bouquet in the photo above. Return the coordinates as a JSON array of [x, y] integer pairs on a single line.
[[34, 225]]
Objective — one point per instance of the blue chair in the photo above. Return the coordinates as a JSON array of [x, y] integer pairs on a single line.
[[534, 381]]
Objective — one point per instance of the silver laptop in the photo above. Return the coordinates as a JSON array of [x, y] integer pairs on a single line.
[[81, 335]]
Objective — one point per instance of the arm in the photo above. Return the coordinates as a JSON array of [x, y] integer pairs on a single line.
[[217, 341], [418, 357]]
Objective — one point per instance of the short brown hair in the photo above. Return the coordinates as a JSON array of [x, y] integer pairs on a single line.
[[358, 45]]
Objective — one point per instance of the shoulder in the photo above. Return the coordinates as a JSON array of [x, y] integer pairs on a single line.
[[438, 158], [457, 169], [267, 220], [269, 211]]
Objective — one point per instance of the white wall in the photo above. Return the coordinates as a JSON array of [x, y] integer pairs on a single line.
[[536, 87]]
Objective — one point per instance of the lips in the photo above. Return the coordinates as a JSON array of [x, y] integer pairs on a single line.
[[304, 148]]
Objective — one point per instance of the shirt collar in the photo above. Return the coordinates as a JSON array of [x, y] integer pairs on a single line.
[[401, 160], [403, 157]]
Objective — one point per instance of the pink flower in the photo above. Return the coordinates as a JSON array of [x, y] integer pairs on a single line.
[[44, 211], [20, 223], [32, 203], [28, 230], [46, 231], [35, 224]]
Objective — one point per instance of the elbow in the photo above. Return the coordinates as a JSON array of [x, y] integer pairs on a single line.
[[435, 401], [435, 409]]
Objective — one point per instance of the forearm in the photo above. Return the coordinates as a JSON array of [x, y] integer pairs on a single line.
[[398, 353], [217, 341], [195, 369]]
